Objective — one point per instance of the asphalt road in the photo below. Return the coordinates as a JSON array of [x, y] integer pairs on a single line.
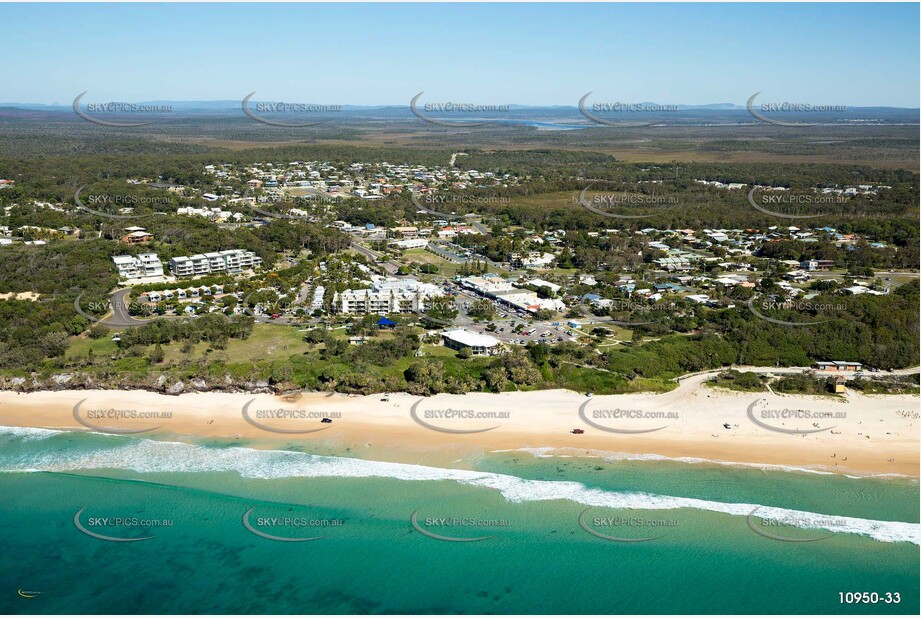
[[120, 317], [390, 266]]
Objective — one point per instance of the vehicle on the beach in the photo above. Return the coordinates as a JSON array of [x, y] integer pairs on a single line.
[[577, 431]]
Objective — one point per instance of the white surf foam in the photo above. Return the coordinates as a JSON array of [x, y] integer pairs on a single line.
[[28, 433], [547, 452], [149, 456]]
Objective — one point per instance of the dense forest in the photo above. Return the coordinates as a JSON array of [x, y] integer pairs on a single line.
[[713, 134]]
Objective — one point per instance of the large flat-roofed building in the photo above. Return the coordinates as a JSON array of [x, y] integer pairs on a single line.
[[229, 260], [200, 264], [181, 266], [144, 265], [126, 266], [479, 344], [216, 262], [526, 300], [151, 265], [488, 286], [410, 243]]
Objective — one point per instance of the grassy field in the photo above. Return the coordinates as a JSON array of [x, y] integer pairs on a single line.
[[446, 268], [615, 334], [268, 342], [559, 199], [81, 346]]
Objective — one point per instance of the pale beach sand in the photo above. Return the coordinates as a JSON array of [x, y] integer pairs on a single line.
[[877, 434]]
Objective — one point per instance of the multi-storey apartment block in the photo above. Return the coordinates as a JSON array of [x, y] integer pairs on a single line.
[[144, 265], [387, 296], [230, 261]]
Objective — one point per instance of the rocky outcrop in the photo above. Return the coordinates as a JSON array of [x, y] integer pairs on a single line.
[[160, 383]]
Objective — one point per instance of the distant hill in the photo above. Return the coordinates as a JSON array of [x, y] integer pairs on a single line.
[[234, 104]]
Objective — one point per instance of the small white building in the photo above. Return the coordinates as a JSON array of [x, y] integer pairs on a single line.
[[480, 345]]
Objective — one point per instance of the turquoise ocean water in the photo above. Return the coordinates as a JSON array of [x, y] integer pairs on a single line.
[[542, 525]]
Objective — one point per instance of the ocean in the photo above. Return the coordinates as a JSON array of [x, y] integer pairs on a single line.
[[101, 524]]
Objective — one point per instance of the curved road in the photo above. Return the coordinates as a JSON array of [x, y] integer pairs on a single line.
[[390, 266], [120, 317]]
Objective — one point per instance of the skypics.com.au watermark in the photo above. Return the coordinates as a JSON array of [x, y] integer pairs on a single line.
[[257, 111], [439, 310], [806, 205], [619, 205], [103, 307], [776, 528], [451, 524], [626, 420], [775, 419], [808, 309], [442, 310], [118, 109], [455, 420], [625, 529], [431, 203], [120, 202], [787, 107], [278, 420], [625, 109], [637, 314], [454, 109], [294, 212], [288, 529], [126, 528], [92, 417]]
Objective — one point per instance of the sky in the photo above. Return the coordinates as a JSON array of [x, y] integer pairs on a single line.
[[528, 54]]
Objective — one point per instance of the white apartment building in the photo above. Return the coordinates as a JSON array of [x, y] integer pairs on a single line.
[[316, 303], [144, 265], [387, 295], [410, 243], [229, 260]]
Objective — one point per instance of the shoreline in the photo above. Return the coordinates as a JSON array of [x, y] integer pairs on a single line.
[[867, 436]]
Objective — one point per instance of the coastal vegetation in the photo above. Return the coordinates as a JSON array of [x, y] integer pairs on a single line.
[[45, 335]]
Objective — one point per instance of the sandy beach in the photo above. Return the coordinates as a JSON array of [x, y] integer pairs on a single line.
[[856, 434]]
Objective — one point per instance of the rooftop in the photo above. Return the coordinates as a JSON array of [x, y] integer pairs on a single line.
[[469, 338]]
